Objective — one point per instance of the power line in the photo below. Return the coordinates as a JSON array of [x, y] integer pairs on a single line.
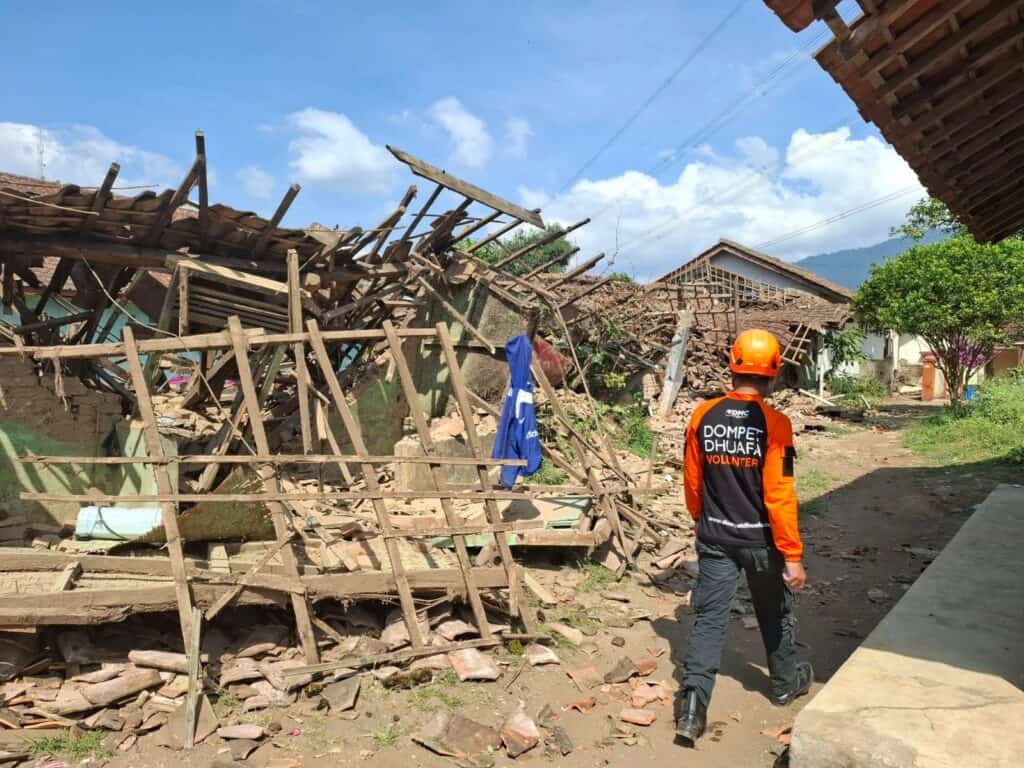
[[720, 120], [662, 230], [838, 217], [701, 46]]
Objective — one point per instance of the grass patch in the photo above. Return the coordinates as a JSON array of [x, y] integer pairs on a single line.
[[226, 702], [439, 694], [595, 576], [88, 744], [856, 387], [386, 736], [549, 474], [812, 483], [991, 427]]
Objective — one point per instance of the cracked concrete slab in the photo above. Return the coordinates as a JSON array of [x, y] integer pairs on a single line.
[[937, 684]]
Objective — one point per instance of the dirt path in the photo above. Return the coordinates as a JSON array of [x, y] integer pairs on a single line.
[[881, 517]]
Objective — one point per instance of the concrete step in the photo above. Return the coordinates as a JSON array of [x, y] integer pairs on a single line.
[[938, 683]]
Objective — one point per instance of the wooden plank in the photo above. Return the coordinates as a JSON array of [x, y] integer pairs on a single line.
[[204, 193], [183, 326], [471, 191], [299, 350], [278, 512], [66, 579], [548, 238], [57, 281], [467, 530], [200, 572], [495, 235], [275, 220], [471, 229], [205, 341], [194, 679], [101, 198], [550, 263], [163, 217], [95, 497], [421, 212], [279, 458], [232, 276], [168, 509], [370, 479], [579, 270], [491, 510], [57, 322], [247, 579], [438, 476]]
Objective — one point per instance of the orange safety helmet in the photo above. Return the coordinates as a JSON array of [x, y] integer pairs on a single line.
[[756, 352]]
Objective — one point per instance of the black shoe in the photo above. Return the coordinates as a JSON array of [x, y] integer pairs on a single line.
[[692, 718], [804, 679]]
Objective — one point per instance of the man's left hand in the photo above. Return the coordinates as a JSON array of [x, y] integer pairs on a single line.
[[795, 576]]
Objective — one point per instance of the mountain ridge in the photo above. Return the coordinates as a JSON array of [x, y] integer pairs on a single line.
[[850, 267]]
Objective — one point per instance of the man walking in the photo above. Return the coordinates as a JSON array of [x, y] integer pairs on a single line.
[[739, 488]]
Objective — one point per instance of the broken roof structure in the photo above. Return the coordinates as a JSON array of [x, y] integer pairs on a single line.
[[272, 373], [944, 83]]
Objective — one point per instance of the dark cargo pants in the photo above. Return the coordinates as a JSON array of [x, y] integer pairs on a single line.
[[712, 598]]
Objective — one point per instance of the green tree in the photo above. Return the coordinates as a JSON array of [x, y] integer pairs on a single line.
[[959, 295], [492, 253], [926, 214]]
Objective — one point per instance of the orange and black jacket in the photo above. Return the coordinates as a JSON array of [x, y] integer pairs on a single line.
[[739, 475]]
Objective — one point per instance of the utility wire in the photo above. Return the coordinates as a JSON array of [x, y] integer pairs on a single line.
[[721, 119], [838, 217], [700, 48], [756, 177]]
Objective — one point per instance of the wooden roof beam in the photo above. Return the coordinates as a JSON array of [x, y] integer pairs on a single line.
[[972, 125], [967, 34], [473, 192], [164, 216], [548, 238], [275, 220], [964, 97], [100, 200], [204, 196]]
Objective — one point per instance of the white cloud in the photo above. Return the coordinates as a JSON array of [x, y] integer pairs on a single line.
[[471, 143], [81, 155], [331, 150], [753, 197], [256, 182], [517, 133]]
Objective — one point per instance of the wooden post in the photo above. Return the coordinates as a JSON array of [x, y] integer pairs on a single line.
[[439, 478], [476, 447], [195, 668], [369, 473], [279, 513], [182, 302], [204, 197], [195, 678], [676, 363], [299, 349], [168, 510]]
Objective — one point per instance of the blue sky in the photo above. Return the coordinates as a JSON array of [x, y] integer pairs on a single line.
[[514, 97]]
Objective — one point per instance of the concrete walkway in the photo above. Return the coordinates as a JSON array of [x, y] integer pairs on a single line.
[[938, 683]]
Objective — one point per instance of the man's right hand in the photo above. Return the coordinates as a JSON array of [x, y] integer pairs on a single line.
[[795, 576]]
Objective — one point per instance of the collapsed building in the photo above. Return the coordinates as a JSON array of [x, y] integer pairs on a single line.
[[207, 413]]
